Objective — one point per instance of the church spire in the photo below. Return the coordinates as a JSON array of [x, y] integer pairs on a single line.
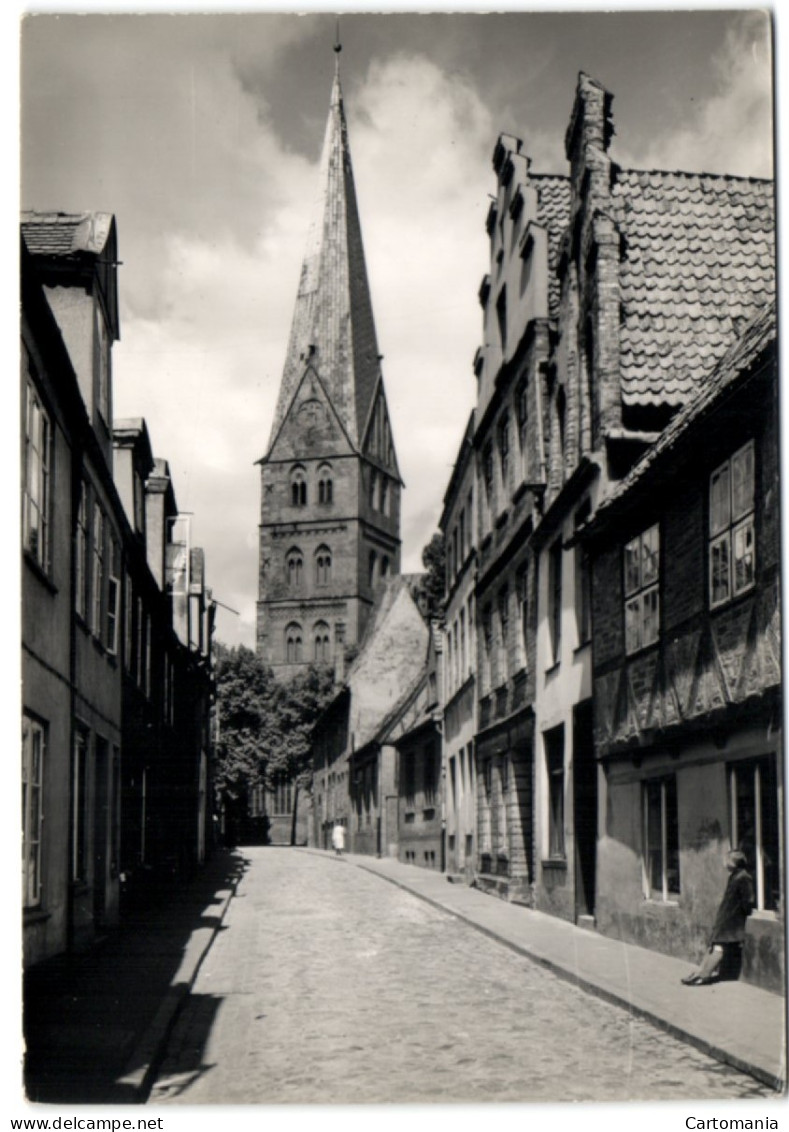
[[333, 331]]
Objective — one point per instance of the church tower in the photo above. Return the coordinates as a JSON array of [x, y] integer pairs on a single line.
[[330, 485]]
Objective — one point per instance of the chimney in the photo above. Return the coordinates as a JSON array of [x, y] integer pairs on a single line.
[[339, 653], [590, 130]]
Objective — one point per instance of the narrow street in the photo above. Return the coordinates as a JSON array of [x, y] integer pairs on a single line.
[[329, 985]]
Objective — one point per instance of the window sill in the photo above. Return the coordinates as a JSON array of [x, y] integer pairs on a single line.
[[554, 667], [558, 863], [764, 915], [40, 572], [733, 599], [642, 649], [657, 902], [583, 645], [35, 916]]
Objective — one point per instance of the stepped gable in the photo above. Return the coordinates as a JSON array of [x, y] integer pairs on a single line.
[[333, 330], [698, 261]]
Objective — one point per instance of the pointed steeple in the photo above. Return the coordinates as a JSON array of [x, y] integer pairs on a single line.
[[333, 332]]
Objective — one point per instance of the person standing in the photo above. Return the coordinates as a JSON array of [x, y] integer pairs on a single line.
[[338, 838], [728, 931]]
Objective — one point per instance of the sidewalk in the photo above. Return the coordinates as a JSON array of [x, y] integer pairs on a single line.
[[733, 1022], [96, 1022]]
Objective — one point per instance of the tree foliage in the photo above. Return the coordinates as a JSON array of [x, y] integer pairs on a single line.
[[264, 725], [432, 584]]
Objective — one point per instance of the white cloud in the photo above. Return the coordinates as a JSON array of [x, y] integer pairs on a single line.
[[731, 132]]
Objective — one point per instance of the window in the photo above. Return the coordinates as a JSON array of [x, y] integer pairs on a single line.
[[113, 598], [33, 755], [555, 599], [504, 448], [371, 566], [384, 495], [36, 501], [128, 631], [462, 645], [523, 603], [139, 649], [283, 798], [322, 566], [97, 581], [325, 485], [81, 553], [487, 472], [298, 487], [753, 798], [295, 567], [385, 567], [642, 578], [146, 683], [79, 808], [431, 774], [322, 642], [501, 317], [661, 839], [139, 504], [293, 641], [523, 415], [732, 554], [583, 603], [554, 768]]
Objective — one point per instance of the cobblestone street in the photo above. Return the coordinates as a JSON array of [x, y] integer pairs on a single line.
[[329, 985]]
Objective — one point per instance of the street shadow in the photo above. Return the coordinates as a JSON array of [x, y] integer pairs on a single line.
[[184, 1061], [88, 1016]]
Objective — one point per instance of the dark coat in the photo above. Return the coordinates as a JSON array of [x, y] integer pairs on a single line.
[[735, 907]]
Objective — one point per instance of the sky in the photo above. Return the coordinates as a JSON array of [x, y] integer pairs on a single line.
[[202, 134]]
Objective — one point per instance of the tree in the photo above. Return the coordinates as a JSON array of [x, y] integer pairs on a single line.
[[431, 586], [265, 726]]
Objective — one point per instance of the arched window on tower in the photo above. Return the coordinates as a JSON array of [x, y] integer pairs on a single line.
[[325, 484], [295, 568], [298, 487], [322, 643], [322, 566], [293, 642]]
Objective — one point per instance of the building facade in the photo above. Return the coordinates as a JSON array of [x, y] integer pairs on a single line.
[[525, 222], [458, 525], [687, 700], [94, 618]]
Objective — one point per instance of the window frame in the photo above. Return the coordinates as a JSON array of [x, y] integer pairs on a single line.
[[635, 595], [33, 771], [664, 893], [763, 770], [555, 774], [37, 487], [725, 534]]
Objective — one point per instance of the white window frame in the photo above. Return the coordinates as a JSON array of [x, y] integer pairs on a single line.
[[663, 894], [641, 583], [97, 570], [81, 554], [37, 486], [113, 598], [34, 748], [731, 519], [757, 864]]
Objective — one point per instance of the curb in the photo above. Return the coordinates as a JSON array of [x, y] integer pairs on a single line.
[[716, 1052], [144, 1061]]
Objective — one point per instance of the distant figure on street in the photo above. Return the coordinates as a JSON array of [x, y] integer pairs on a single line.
[[338, 839], [728, 931]]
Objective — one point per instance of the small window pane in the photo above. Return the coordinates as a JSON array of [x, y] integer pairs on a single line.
[[650, 555], [633, 624], [742, 466], [651, 617], [720, 584], [719, 500], [632, 566], [744, 559]]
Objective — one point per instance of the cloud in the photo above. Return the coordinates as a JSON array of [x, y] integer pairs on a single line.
[[730, 131]]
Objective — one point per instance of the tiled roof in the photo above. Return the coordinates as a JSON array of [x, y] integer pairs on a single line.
[[64, 233], [553, 211], [698, 260], [734, 366]]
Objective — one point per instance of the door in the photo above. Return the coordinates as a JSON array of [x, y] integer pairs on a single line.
[[584, 809]]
